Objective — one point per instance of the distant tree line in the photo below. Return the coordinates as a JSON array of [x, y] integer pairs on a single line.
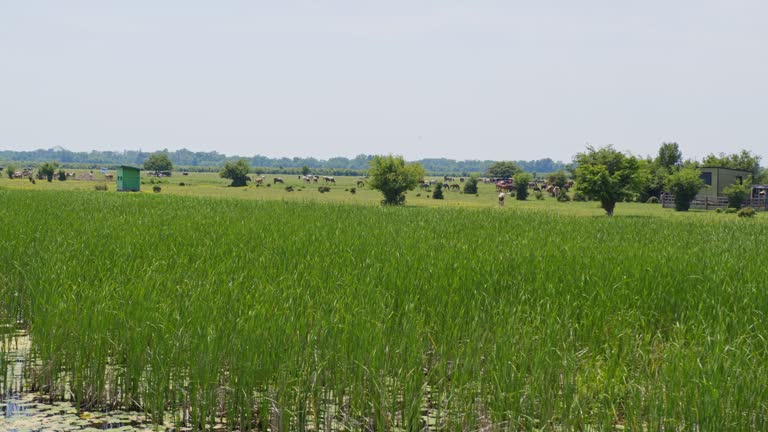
[[213, 161]]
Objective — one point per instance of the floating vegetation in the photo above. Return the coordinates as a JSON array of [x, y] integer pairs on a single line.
[[194, 313]]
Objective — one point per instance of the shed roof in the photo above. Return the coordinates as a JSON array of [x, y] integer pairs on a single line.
[[722, 167], [130, 167]]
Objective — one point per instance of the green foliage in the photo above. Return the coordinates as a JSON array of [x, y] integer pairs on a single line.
[[438, 192], [669, 156], [470, 185], [738, 193], [684, 185], [289, 188], [321, 189], [158, 162], [578, 196], [47, 170], [304, 170], [731, 210], [558, 178], [156, 189], [718, 210], [744, 160], [237, 172], [606, 175], [101, 187], [652, 200], [393, 177], [747, 212], [539, 195], [563, 197], [10, 170], [521, 185], [503, 169], [62, 175], [353, 190]]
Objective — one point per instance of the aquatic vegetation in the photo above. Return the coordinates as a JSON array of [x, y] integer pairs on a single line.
[[291, 316]]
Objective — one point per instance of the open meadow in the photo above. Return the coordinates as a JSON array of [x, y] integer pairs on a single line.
[[293, 313]]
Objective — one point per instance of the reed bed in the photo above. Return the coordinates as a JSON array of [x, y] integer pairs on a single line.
[[300, 316]]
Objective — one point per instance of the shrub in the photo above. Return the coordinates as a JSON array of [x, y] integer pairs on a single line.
[[101, 187], [269, 184], [746, 212], [737, 194], [539, 195], [470, 186], [684, 185], [730, 210], [181, 183], [438, 193], [718, 210], [521, 185], [62, 175], [578, 196], [564, 197], [324, 189], [156, 189], [393, 177], [653, 200], [353, 191], [289, 188]]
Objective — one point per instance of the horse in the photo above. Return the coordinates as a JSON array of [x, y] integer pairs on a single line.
[[455, 186]]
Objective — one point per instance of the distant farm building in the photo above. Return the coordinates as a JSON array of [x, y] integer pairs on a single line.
[[718, 178], [128, 178]]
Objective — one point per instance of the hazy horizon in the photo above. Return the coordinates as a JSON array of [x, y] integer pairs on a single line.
[[484, 80]]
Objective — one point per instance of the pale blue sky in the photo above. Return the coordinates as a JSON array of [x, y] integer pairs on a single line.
[[464, 80]]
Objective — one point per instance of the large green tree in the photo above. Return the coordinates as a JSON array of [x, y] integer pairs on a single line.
[[158, 162], [606, 175], [237, 172], [669, 156], [503, 169], [684, 185], [521, 185], [393, 177]]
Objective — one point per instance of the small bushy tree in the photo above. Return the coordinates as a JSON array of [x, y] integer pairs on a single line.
[[684, 185], [738, 193], [237, 172], [393, 177], [47, 170], [606, 175], [62, 175], [438, 193], [9, 171], [559, 179], [158, 162], [521, 185], [470, 186]]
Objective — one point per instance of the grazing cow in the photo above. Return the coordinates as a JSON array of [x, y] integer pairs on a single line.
[[259, 180], [278, 180], [501, 199], [502, 186], [556, 191], [328, 179], [109, 176]]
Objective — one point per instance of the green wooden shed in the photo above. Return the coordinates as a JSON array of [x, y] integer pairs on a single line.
[[128, 178], [719, 178]]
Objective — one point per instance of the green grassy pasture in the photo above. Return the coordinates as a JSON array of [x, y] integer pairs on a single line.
[[299, 315], [211, 185]]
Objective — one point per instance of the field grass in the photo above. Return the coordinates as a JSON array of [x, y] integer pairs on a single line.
[[283, 315], [212, 186]]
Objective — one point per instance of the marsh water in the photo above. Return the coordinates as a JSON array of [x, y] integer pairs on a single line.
[[22, 410]]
